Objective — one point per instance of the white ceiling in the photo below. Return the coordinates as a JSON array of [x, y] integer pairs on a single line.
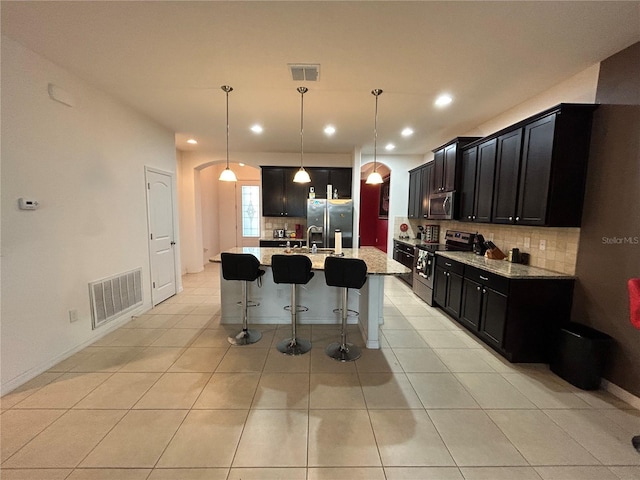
[[169, 59]]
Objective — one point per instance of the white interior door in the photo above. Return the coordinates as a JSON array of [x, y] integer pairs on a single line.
[[160, 198]]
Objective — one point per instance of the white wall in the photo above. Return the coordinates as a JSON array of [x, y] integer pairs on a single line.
[[85, 165], [580, 88]]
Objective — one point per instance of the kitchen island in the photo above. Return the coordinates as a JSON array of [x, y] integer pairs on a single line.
[[316, 295]]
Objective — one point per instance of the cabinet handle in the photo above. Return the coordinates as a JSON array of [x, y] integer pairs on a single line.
[[510, 219], [478, 288], [484, 290], [469, 217], [517, 219], [484, 278], [447, 264], [474, 217]]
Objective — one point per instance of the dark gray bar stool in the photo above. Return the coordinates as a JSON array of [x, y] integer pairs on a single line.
[[345, 273], [245, 268], [295, 270]]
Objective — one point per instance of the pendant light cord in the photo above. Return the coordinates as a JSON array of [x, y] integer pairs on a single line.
[[376, 92], [227, 90], [302, 91]]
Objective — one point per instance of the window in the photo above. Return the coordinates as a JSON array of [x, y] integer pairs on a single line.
[[250, 209]]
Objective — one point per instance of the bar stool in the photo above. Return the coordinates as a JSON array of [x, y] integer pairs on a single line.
[[345, 273], [295, 270], [245, 268]]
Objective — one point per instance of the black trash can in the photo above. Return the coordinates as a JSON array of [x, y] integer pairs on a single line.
[[580, 355]]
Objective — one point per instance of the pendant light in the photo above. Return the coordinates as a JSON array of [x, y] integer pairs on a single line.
[[227, 174], [302, 176], [374, 177]]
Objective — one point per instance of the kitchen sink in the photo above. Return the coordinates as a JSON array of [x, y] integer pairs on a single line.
[[324, 251]]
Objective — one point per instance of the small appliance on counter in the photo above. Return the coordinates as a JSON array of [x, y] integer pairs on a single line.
[[479, 245], [278, 233]]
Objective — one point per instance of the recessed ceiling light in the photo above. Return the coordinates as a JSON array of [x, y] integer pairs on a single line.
[[256, 128], [443, 100], [329, 130], [192, 141], [389, 146], [241, 164], [407, 132]]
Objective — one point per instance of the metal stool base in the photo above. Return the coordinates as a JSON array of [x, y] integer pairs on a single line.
[[343, 353], [245, 337], [294, 346]]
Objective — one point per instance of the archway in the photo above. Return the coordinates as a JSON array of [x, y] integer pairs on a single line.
[[374, 208]]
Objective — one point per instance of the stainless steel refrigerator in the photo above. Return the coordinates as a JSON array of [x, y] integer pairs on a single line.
[[329, 216]]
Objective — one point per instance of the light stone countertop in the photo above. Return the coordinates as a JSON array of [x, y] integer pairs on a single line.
[[503, 267], [378, 263]]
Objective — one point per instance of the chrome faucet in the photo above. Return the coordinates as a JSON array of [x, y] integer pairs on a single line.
[[308, 236]]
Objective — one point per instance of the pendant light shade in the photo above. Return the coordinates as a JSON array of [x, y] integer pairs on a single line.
[[227, 174], [302, 176], [374, 177]]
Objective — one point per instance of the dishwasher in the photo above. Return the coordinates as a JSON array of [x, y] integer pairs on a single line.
[[404, 253]]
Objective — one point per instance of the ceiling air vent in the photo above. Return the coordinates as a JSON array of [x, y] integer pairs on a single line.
[[305, 72]]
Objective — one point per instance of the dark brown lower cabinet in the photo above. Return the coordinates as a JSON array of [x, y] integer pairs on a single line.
[[519, 318], [447, 285]]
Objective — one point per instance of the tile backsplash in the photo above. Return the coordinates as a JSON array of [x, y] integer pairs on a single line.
[[269, 224], [560, 244]]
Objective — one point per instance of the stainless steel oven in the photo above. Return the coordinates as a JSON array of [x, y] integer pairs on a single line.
[[425, 261], [423, 274]]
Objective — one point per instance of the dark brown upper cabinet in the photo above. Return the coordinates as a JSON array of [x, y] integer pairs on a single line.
[[419, 191], [445, 176], [281, 197], [541, 168], [476, 190]]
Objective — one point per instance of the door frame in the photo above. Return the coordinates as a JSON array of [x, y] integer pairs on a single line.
[[174, 214]]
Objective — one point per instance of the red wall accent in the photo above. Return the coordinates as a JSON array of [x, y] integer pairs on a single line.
[[373, 230]]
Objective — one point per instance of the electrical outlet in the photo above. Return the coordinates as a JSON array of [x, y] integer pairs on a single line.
[[527, 242], [543, 244], [73, 315]]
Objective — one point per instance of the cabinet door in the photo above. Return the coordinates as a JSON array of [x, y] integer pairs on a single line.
[[535, 171], [485, 174], [450, 164], [471, 303], [295, 195], [440, 286], [272, 191], [494, 314], [426, 190], [319, 181], [468, 187], [340, 178], [506, 182], [454, 294], [438, 171], [415, 198]]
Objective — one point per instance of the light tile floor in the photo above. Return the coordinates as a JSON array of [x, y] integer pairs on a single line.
[[166, 397]]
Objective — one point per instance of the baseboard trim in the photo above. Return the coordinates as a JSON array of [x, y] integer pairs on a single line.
[[621, 393], [23, 378]]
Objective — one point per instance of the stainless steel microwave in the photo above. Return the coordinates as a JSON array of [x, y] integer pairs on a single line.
[[441, 206]]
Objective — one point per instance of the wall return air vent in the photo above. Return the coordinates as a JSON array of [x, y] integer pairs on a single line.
[[112, 297], [304, 72]]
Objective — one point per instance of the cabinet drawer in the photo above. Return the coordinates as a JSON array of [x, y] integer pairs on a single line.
[[488, 279], [403, 247], [450, 265]]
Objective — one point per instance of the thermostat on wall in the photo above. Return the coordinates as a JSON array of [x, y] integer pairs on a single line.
[[27, 204]]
